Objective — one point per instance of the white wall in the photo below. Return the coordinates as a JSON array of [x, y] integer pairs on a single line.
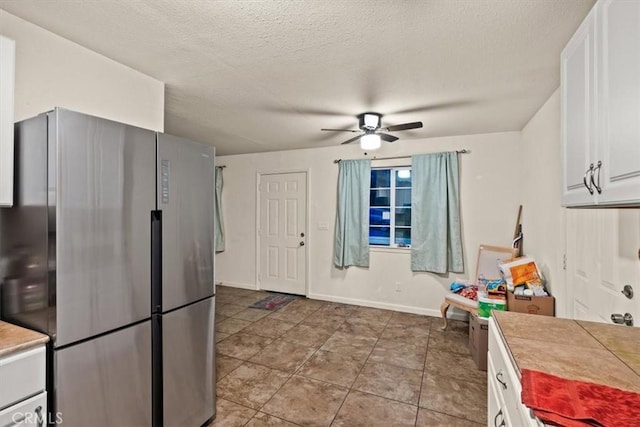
[[543, 220], [489, 200], [54, 72]]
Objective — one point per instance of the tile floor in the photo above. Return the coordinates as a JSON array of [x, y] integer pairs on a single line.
[[315, 363]]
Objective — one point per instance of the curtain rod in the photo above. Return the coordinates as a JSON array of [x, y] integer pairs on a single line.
[[463, 151]]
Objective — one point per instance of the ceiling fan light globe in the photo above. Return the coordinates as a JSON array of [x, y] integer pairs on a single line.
[[370, 141]]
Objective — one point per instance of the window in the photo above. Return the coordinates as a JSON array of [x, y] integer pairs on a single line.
[[390, 207]]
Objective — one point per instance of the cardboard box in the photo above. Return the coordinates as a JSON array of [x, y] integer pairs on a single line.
[[478, 338], [531, 304]]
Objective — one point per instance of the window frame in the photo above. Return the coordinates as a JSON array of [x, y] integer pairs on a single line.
[[392, 209]]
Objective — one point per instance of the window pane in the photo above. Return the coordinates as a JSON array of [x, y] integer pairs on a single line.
[[379, 236], [380, 178], [403, 178], [403, 197], [379, 216], [403, 216], [380, 198], [381, 221], [403, 236]]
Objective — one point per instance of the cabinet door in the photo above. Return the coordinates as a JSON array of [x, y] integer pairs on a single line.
[[577, 66], [619, 100], [22, 374], [29, 412], [7, 80], [497, 412]]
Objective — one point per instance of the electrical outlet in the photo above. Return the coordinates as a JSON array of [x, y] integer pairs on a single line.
[[398, 287]]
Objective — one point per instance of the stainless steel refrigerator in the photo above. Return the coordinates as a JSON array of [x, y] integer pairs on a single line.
[[109, 250]]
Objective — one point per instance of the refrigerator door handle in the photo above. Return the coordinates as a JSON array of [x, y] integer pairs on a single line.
[[156, 261]]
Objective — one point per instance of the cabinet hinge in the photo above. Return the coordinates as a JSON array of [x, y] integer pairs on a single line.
[[564, 261]]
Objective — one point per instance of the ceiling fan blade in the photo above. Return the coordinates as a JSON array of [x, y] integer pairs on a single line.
[[388, 138], [349, 141], [404, 126], [430, 107], [306, 111], [341, 130]]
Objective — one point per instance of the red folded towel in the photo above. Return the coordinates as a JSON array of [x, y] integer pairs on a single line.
[[565, 402]]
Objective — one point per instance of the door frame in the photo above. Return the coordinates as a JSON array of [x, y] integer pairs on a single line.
[[307, 218]]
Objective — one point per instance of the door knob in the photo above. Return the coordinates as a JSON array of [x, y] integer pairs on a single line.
[[618, 318], [301, 243], [627, 291], [628, 319]]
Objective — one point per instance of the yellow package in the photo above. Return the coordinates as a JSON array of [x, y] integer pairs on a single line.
[[524, 273]]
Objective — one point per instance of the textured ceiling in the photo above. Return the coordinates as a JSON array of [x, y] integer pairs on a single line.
[[265, 75]]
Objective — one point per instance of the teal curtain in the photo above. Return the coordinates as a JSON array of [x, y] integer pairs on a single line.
[[351, 245], [219, 223], [436, 238]]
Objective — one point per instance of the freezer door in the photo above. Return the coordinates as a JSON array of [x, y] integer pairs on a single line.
[[105, 191], [105, 381], [185, 197], [188, 357]]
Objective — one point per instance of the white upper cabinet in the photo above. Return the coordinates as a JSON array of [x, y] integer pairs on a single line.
[[577, 63], [7, 71], [619, 100], [601, 108]]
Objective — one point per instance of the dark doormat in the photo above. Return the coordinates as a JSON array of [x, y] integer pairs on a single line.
[[273, 301]]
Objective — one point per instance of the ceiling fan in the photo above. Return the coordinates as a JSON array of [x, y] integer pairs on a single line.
[[371, 131]]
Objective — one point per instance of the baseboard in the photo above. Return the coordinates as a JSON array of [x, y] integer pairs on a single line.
[[237, 285], [459, 315], [453, 312]]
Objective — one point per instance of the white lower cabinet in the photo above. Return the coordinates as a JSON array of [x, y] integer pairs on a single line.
[[30, 412], [498, 415], [504, 406], [23, 399]]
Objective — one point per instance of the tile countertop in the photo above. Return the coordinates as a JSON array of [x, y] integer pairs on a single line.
[[585, 351], [15, 338]]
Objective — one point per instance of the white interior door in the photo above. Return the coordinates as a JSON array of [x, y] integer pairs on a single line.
[[602, 257], [582, 253], [282, 232], [619, 242]]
